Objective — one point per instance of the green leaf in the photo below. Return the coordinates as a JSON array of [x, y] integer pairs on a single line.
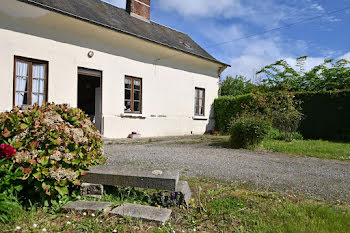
[[62, 190], [76, 161], [18, 188], [17, 145], [63, 182], [37, 175], [24, 126], [44, 161]]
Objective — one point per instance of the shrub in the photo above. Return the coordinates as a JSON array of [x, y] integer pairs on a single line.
[[55, 145], [10, 181], [281, 107], [248, 130], [284, 111]]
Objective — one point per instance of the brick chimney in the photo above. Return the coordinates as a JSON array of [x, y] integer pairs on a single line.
[[139, 9]]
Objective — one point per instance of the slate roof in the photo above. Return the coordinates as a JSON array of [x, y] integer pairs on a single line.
[[109, 16]]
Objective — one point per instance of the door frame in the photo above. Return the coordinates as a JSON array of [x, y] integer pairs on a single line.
[[95, 74]]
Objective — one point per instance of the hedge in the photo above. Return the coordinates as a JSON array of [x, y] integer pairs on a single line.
[[226, 107], [327, 114]]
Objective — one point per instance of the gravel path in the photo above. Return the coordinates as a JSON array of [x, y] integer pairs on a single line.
[[319, 178]]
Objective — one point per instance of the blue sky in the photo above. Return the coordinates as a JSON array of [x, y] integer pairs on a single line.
[[211, 22]]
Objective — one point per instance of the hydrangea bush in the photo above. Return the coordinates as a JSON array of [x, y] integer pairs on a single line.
[[52, 146]]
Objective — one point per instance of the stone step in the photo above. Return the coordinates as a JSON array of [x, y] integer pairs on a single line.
[[148, 213], [132, 177], [185, 190], [87, 206]]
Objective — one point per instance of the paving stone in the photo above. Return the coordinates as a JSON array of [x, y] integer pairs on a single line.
[[148, 213], [87, 206], [91, 190], [185, 190], [132, 177]]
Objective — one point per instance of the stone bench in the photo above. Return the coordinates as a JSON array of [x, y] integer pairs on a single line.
[[132, 177]]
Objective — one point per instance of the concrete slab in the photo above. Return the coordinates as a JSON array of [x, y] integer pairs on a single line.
[[185, 190], [87, 206], [132, 177], [148, 213]]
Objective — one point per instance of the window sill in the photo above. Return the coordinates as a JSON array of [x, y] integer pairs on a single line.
[[200, 118], [133, 115]]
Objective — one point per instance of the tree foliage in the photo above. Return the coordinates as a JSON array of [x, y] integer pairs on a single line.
[[236, 86], [330, 75]]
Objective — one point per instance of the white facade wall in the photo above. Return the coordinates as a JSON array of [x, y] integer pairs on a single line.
[[168, 84]]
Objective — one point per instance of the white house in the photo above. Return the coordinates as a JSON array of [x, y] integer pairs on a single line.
[[128, 73]]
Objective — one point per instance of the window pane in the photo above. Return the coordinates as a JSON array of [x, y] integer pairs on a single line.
[[35, 85], [21, 99], [128, 83], [196, 93], [35, 98], [201, 110], [201, 92], [137, 84], [127, 106], [127, 94], [21, 84], [41, 99], [39, 71], [42, 86], [137, 106], [137, 95], [21, 69]]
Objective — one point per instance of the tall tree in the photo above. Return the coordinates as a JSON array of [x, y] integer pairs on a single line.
[[330, 75], [236, 86]]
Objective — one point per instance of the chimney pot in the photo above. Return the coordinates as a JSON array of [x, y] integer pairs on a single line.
[[140, 9]]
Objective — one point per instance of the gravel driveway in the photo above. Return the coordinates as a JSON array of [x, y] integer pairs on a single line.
[[319, 178]]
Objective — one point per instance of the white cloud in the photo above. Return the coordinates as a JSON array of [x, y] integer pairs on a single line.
[[256, 54], [267, 12], [346, 56], [207, 8], [310, 63], [317, 7]]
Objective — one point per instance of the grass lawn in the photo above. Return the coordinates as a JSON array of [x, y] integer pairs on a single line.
[[217, 207], [313, 148]]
